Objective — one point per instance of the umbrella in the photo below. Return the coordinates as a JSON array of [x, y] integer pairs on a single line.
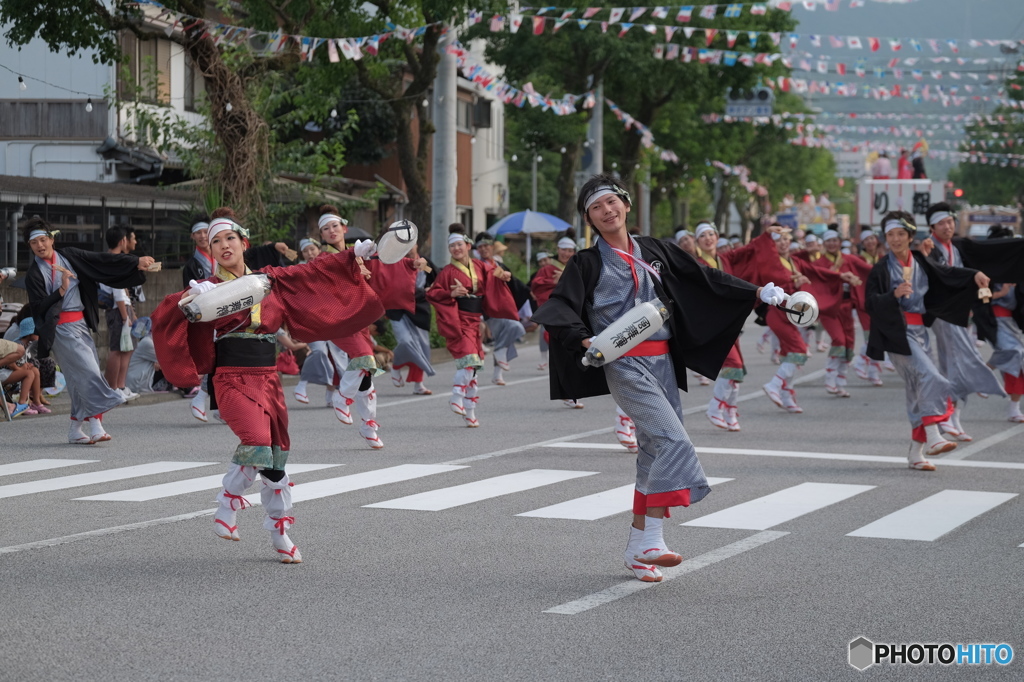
[[528, 222]]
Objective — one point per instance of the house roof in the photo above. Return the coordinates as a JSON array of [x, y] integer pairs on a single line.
[[25, 190]]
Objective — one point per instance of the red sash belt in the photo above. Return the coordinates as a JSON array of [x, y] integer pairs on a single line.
[[1000, 311], [70, 316], [649, 348], [914, 318]]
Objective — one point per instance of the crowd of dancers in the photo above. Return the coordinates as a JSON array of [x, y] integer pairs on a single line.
[[898, 289]]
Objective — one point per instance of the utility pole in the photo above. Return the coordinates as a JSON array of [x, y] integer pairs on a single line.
[[645, 204], [533, 179], [444, 172], [595, 134]]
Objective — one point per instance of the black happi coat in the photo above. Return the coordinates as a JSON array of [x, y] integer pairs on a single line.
[[1000, 259], [951, 293], [116, 270], [708, 309]]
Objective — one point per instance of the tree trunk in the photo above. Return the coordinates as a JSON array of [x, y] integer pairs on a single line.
[[242, 134], [412, 162], [722, 206]]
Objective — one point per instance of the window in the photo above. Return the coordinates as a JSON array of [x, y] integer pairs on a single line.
[[146, 73], [464, 116]]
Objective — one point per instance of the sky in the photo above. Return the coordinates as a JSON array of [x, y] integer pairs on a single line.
[[942, 19]]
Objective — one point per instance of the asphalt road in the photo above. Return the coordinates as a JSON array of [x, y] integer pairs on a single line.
[[412, 574]]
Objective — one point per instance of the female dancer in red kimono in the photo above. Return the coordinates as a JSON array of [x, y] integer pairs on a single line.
[[543, 283], [464, 290], [838, 319], [353, 355], [773, 262], [723, 411], [322, 299]]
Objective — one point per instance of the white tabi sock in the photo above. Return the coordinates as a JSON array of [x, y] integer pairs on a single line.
[[633, 548], [653, 537]]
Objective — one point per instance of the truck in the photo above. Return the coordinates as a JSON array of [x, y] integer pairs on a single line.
[[975, 221], [875, 198]]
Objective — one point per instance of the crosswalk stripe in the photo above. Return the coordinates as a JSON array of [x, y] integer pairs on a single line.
[[40, 465], [456, 496], [596, 506], [934, 516], [105, 476], [779, 507], [191, 485], [367, 479]]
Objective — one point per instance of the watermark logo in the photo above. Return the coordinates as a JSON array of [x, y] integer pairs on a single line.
[[864, 653]]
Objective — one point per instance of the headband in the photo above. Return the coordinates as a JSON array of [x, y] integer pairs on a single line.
[[682, 233], [891, 225], [722, 242], [458, 237], [829, 234], [702, 228], [38, 233], [200, 226], [566, 243], [867, 233], [734, 240], [602, 191], [810, 239], [328, 217], [484, 240], [303, 243], [224, 224], [778, 235], [937, 216], [542, 255]]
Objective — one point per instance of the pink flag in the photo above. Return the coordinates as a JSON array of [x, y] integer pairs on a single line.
[[841, 69], [591, 11], [874, 44], [538, 25], [669, 32], [497, 23], [709, 35], [836, 41], [637, 13], [708, 11]]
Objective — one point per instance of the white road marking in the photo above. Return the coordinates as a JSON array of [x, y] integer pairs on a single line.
[[468, 493], [191, 485], [445, 394], [596, 506], [40, 465], [367, 479], [934, 516], [901, 461], [105, 476], [67, 539], [629, 587], [964, 451], [780, 507]]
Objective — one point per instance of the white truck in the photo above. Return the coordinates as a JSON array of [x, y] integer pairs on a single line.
[[875, 198]]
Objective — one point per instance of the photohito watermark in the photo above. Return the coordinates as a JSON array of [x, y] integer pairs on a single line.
[[864, 653]]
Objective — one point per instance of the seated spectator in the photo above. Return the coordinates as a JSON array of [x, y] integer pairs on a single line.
[[15, 367]]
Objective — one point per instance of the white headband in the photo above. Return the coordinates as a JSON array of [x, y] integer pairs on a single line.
[[542, 255], [200, 226], [602, 191], [722, 242], [734, 240], [682, 233], [810, 239], [37, 233], [829, 234], [458, 237], [702, 228], [867, 233], [566, 243], [225, 224], [894, 224], [307, 242], [328, 217], [937, 216]]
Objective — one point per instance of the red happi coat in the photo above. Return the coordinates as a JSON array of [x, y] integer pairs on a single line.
[[395, 286], [544, 283], [461, 329], [325, 298]]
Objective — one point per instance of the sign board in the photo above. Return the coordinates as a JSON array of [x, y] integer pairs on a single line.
[[748, 110], [875, 198], [976, 222]]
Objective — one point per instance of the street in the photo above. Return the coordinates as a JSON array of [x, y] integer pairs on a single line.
[[496, 552]]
